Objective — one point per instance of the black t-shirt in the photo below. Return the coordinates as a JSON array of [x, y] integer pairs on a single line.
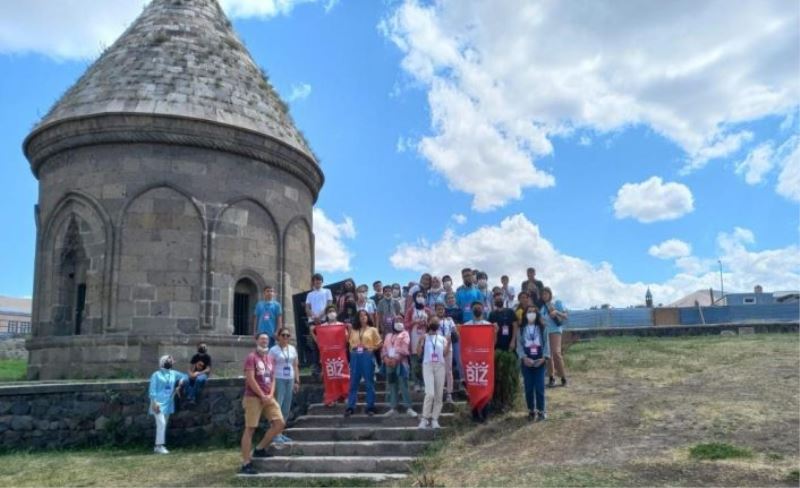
[[504, 318], [201, 356], [455, 313]]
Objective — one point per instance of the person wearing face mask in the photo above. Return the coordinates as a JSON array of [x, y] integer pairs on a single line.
[[436, 293], [533, 349], [447, 284], [164, 386], [506, 321], [478, 319], [486, 294], [395, 352], [447, 329], [454, 312], [364, 340], [424, 285], [433, 348], [258, 400], [416, 320], [287, 375], [332, 390], [199, 371]]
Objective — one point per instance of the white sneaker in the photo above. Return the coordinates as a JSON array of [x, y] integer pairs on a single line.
[[391, 412], [423, 424], [411, 413], [435, 424], [160, 450]]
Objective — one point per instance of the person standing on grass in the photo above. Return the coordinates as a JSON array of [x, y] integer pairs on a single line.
[[533, 350], [433, 348], [553, 315], [364, 340], [164, 385], [416, 321], [447, 329], [395, 352], [259, 400], [268, 316], [199, 371], [287, 375]]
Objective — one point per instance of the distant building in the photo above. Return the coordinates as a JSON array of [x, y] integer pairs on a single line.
[[648, 298], [759, 297], [15, 316]]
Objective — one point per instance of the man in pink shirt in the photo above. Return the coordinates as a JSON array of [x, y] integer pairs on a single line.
[[258, 401]]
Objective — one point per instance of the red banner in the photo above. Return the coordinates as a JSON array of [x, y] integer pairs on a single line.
[[331, 341], [477, 357]]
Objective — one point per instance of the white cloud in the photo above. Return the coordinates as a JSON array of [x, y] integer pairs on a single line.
[[516, 243], [459, 219], [757, 163], [670, 249], [585, 141], [788, 156], [501, 79], [330, 252], [653, 200], [299, 92], [80, 29]]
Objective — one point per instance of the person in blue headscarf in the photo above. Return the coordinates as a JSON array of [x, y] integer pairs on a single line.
[[164, 385]]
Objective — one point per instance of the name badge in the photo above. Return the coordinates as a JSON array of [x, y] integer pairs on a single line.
[[434, 358], [267, 316], [360, 349], [534, 350], [505, 330], [287, 370], [392, 352]]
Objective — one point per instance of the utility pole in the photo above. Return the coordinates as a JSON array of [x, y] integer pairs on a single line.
[[721, 284]]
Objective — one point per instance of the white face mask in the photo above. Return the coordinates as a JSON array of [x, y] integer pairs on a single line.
[[531, 317], [448, 284], [262, 350], [421, 300], [482, 283], [331, 316], [399, 327]]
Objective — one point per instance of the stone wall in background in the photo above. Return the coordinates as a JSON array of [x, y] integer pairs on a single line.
[[13, 348], [50, 416]]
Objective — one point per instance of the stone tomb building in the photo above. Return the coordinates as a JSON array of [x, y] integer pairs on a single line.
[[173, 186]]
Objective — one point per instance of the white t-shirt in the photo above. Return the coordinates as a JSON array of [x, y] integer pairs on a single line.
[[369, 306], [446, 327], [433, 349], [284, 361], [318, 299]]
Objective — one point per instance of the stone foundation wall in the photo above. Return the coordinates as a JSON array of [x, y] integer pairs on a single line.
[[13, 348], [49, 416]]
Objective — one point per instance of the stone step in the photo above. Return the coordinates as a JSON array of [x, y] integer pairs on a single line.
[[334, 464], [349, 448], [359, 419], [321, 409], [382, 395], [362, 433], [375, 477]]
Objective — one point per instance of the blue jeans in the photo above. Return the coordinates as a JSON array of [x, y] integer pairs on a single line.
[[457, 361], [362, 365], [397, 379], [534, 387], [283, 395], [195, 386]]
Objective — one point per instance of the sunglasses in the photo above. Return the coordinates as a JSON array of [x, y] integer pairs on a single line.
[[286, 335]]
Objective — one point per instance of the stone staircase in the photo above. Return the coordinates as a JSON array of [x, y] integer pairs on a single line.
[[325, 444]]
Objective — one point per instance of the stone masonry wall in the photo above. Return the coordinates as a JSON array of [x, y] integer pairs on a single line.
[[50, 416]]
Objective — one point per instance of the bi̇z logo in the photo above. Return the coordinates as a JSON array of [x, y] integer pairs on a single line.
[[477, 373], [334, 368]]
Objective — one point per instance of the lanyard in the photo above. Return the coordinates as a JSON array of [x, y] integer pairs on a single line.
[[433, 343], [286, 356]]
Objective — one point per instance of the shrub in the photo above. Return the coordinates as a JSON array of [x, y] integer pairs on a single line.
[[506, 380]]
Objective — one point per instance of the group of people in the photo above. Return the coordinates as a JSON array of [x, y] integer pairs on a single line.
[[408, 336]]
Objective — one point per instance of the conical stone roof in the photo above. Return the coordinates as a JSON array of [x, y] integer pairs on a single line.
[[181, 58]]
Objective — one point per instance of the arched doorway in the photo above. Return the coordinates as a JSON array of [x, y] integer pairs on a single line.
[[245, 296], [71, 292]]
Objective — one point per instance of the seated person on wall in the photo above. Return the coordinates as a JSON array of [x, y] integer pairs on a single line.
[[199, 371], [164, 385]]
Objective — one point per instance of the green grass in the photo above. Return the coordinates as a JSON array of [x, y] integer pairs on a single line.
[[13, 369], [714, 451]]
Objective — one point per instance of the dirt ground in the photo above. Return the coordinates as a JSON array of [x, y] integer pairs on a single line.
[[633, 409]]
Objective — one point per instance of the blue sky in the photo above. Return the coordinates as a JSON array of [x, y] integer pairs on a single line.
[[613, 150]]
